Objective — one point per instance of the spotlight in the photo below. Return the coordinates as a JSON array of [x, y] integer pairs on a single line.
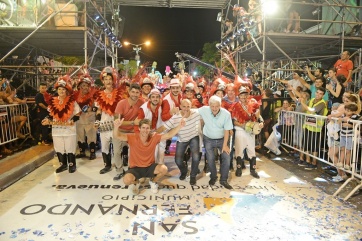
[[219, 17], [269, 6], [96, 17]]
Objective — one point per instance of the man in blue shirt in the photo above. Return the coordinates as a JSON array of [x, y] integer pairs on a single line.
[[217, 125]]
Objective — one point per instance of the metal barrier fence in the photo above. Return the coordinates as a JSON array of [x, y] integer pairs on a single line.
[[329, 140], [14, 123]]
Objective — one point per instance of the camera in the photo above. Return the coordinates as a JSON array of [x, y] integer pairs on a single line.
[[306, 64]]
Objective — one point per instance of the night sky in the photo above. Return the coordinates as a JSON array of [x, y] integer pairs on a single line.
[[170, 30]]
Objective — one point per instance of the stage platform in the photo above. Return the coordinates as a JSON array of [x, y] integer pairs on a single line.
[[286, 203], [298, 46]]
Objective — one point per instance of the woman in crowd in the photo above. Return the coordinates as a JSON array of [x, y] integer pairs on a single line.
[[335, 87]]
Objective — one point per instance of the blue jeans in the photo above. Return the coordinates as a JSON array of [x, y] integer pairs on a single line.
[[209, 145], [181, 147]]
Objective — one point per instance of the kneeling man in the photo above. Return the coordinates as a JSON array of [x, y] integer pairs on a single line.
[[141, 158]]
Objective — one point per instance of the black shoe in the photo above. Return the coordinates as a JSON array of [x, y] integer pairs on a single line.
[[302, 163], [105, 169], [212, 181], [183, 176], [192, 180], [226, 185], [62, 168], [92, 156], [238, 172], [254, 174], [310, 167], [72, 168], [80, 155], [167, 152], [119, 175]]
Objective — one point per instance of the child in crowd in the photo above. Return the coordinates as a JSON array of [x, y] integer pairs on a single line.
[[346, 139], [284, 128], [333, 127]]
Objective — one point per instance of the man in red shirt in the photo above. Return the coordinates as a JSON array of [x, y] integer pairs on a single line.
[[152, 110], [344, 66], [127, 109], [171, 106], [142, 159], [171, 102]]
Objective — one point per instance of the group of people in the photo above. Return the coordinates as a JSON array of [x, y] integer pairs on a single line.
[[325, 95], [134, 114], [12, 119]]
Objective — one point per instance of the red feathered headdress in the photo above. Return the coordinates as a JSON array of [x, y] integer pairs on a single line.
[[64, 81], [112, 72], [85, 78], [140, 75], [219, 84], [189, 83]]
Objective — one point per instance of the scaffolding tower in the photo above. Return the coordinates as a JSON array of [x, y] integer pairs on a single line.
[[330, 27], [36, 33]]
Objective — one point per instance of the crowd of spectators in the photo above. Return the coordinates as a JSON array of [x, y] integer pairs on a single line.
[[320, 93]]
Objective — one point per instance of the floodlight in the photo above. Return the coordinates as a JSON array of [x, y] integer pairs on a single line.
[[269, 7]]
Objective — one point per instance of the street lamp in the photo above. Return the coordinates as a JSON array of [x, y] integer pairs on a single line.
[[137, 48]]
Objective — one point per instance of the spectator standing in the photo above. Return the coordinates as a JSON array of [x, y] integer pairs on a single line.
[[294, 17], [335, 87], [346, 139], [344, 66], [313, 127], [297, 97], [266, 112], [42, 112], [318, 73], [294, 82], [318, 83], [256, 15]]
